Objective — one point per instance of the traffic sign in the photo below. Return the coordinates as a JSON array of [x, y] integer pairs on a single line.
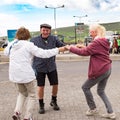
[[76, 24], [11, 34]]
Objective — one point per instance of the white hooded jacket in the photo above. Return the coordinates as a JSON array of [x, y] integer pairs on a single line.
[[21, 53]]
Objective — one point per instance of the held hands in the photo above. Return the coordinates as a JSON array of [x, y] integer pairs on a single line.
[[67, 47], [77, 45], [62, 49]]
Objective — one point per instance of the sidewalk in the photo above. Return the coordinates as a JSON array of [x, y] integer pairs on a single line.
[[65, 57], [73, 57]]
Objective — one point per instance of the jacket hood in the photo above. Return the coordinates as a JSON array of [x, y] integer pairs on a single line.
[[17, 44], [104, 42]]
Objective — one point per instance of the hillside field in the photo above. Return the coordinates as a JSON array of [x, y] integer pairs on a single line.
[[69, 32], [74, 36]]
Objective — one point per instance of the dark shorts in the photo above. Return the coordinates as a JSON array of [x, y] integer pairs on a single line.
[[52, 77]]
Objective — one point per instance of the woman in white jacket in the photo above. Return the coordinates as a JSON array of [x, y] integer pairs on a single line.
[[21, 52]]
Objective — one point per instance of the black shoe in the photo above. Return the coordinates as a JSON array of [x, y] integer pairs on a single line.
[[54, 105], [41, 110]]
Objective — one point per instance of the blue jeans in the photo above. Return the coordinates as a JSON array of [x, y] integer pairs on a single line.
[[101, 84]]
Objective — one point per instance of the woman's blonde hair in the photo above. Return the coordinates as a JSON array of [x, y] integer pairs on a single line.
[[101, 31], [23, 34]]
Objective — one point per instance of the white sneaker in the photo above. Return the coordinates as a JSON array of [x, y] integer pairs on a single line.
[[91, 112], [31, 118], [111, 116]]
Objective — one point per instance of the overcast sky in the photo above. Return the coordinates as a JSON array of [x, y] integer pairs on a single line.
[[32, 13]]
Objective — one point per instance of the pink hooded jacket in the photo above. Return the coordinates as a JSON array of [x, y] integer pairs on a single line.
[[98, 50]]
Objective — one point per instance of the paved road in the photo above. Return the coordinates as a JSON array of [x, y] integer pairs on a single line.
[[70, 97]]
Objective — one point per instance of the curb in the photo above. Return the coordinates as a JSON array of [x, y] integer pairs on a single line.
[[65, 57], [74, 57]]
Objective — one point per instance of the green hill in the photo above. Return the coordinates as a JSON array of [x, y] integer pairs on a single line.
[[71, 37], [69, 32], [112, 26]]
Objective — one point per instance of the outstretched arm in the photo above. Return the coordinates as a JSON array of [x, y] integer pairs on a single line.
[[80, 45]]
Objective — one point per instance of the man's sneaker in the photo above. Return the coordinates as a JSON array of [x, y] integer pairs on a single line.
[[16, 116], [42, 109], [111, 116], [91, 112], [54, 105]]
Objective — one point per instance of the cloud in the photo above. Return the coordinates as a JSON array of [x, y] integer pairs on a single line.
[[31, 13], [72, 4], [7, 22]]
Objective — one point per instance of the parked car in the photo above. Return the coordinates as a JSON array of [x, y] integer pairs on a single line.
[[87, 40], [3, 43]]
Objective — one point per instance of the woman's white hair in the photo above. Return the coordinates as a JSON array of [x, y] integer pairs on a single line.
[[101, 31]]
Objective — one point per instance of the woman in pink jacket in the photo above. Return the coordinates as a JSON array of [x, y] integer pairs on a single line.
[[99, 68]]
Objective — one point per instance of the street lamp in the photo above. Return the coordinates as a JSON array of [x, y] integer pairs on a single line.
[[80, 17], [54, 8]]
